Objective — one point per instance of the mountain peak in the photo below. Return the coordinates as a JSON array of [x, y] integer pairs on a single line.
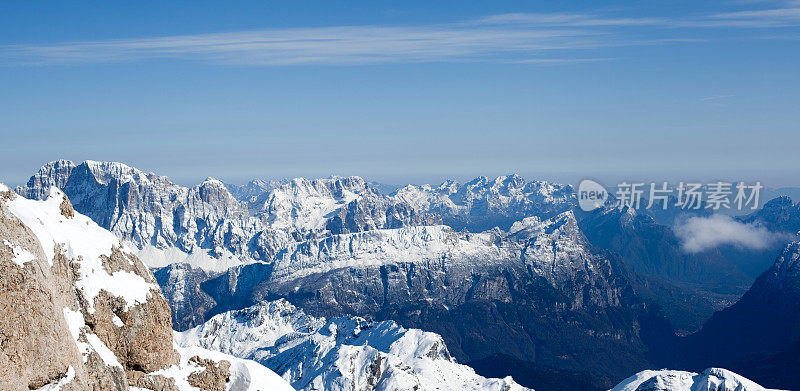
[[668, 380], [213, 181]]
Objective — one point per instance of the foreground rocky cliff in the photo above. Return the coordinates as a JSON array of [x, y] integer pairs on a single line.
[[80, 311]]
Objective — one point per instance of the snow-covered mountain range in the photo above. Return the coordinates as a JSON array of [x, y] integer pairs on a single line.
[[150, 210], [498, 267]]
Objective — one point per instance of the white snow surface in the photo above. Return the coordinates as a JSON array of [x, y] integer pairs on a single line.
[[264, 217], [82, 240], [717, 379], [155, 257], [553, 248], [510, 191], [343, 353]]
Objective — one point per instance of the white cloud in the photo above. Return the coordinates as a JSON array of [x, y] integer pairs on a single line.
[[702, 233]]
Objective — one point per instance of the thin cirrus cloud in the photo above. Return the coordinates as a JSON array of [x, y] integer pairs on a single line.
[[786, 16], [545, 38], [349, 45]]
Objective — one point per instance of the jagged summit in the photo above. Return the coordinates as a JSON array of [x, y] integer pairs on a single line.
[[51, 174]]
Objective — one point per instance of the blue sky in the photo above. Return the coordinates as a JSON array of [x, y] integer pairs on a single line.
[[405, 92]]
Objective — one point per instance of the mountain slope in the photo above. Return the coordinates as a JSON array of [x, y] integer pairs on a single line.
[[257, 220], [764, 323]]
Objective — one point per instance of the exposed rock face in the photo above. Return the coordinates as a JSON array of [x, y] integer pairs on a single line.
[[180, 284], [213, 377], [346, 353], [779, 214], [37, 349], [255, 193], [79, 310], [484, 203], [52, 174], [496, 266]]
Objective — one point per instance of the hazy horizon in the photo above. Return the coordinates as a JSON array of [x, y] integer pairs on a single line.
[[411, 92], [190, 177]]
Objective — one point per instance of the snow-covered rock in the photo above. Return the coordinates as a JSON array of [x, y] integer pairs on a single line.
[[439, 265], [80, 310], [344, 353], [711, 379]]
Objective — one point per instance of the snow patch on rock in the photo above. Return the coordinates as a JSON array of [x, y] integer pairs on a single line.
[[70, 376], [21, 255], [81, 239]]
